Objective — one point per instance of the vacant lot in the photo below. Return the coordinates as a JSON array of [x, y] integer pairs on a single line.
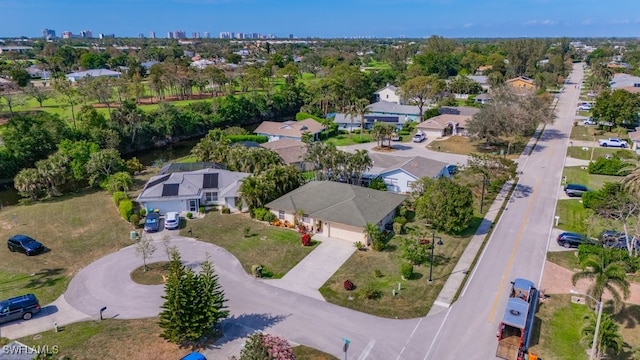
[[77, 228], [463, 145], [276, 249]]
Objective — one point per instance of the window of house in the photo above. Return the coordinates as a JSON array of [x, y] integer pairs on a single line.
[[210, 197], [305, 218], [390, 181], [410, 183], [281, 214]]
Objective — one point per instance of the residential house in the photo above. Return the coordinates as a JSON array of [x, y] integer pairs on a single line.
[[388, 93], [346, 122], [634, 138], [484, 69], [291, 151], [482, 98], [187, 191], [400, 172], [403, 112], [482, 80], [37, 73], [290, 129], [75, 76], [336, 209], [521, 83], [189, 166], [625, 82], [444, 125], [18, 49]]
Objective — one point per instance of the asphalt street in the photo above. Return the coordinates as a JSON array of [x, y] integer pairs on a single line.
[[517, 247]]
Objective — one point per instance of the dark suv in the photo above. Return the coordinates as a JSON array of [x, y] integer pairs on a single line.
[[616, 240], [575, 190], [152, 223], [570, 239], [24, 244], [20, 307]]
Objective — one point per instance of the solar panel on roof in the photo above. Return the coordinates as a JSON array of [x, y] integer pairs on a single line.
[[170, 189], [210, 181], [158, 180]]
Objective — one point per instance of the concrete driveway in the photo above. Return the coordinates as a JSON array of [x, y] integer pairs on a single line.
[[409, 149]]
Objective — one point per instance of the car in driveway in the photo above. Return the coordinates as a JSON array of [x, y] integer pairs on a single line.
[[584, 107], [588, 121], [573, 240], [152, 222], [171, 220], [24, 244], [575, 190], [616, 240], [19, 307], [419, 137]]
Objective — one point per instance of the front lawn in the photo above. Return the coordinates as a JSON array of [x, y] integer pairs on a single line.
[[575, 174], [77, 228], [349, 139], [463, 145], [578, 152], [276, 249]]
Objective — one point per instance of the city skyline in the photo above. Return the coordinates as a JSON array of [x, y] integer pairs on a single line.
[[328, 18]]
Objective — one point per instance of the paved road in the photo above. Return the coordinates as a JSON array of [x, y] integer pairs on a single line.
[[517, 247]]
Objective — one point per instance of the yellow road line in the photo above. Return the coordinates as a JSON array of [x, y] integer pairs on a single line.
[[513, 252]]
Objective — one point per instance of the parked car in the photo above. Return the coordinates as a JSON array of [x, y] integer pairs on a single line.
[[584, 107], [194, 356], [452, 169], [19, 307], [588, 121], [613, 142], [395, 137], [25, 245], [152, 222], [575, 190], [419, 137], [571, 239], [615, 239], [172, 220]]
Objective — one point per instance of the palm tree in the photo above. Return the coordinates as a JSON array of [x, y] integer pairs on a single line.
[[29, 183], [358, 109], [609, 338], [607, 275], [372, 232]]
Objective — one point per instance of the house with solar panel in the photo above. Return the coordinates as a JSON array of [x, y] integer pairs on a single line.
[[187, 191]]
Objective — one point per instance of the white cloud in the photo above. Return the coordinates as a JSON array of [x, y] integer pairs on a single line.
[[620, 21], [468, 25]]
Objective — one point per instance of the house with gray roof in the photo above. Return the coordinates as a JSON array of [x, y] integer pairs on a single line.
[[336, 209], [388, 93], [627, 82], [347, 122], [400, 172], [482, 80], [291, 151], [187, 191], [290, 129], [75, 76], [404, 112]]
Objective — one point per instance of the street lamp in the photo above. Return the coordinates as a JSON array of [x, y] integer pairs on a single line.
[[484, 183], [433, 246], [597, 330]]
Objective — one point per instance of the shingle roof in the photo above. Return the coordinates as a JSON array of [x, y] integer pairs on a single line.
[[480, 79], [369, 118], [289, 128], [94, 73], [393, 108], [417, 166], [442, 121], [340, 203], [190, 184], [389, 86], [459, 110], [621, 81], [291, 151], [190, 166]]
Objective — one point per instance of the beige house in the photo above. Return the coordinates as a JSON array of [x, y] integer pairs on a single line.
[[444, 125], [290, 129], [336, 209], [521, 83], [291, 151]]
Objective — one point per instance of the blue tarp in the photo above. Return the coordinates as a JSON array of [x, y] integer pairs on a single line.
[[516, 313]]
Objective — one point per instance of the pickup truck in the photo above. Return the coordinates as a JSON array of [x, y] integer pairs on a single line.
[[613, 142]]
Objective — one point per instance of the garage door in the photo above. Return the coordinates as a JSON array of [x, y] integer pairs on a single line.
[[432, 134], [345, 232]]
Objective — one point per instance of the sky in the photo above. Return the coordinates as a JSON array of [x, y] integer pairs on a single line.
[[326, 18]]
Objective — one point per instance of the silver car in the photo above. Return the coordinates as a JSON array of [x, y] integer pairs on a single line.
[[172, 220]]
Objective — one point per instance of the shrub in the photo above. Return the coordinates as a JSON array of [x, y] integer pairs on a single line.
[[359, 245], [248, 137], [258, 213], [377, 273], [414, 252], [143, 212], [378, 244], [189, 215], [303, 116], [118, 196], [355, 131], [201, 209], [403, 132], [125, 207], [306, 239], [371, 292], [378, 184], [604, 166], [406, 270], [397, 228], [225, 210], [625, 155], [348, 285], [247, 231], [266, 346], [400, 219], [134, 219], [256, 270]]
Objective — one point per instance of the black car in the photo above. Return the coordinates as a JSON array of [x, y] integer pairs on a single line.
[[616, 240], [152, 223], [575, 190], [25, 245], [19, 307], [571, 239]]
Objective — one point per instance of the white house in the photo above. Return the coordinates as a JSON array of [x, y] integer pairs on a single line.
[[336, 209], [347, 122], [187, 191], [389, 93], [75, 76], [404, 112], [400, 172], [289, 129]]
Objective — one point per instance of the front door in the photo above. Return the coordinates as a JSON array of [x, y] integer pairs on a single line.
[[193, 205]]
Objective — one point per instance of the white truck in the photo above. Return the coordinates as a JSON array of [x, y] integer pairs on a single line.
[[613, 142]]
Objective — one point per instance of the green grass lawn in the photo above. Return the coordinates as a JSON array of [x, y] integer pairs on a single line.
[[579, 153], [77, 228], [276, 249], [575, 174], [349, 139], [464, 146], [306, 353], [558, 324], [572, 215]]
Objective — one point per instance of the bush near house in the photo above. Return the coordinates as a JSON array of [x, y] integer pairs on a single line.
[[118, 196], [613, 166], [125, 207]]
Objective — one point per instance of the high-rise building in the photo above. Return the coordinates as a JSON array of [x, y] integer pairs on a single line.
[[290, 36], [107, 36], [48, 33], [87, 34], [207, 35], [179, 34], [152, 34], [141, 35], [195, 35], [67, 34], [227, 35], [169, 35]]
